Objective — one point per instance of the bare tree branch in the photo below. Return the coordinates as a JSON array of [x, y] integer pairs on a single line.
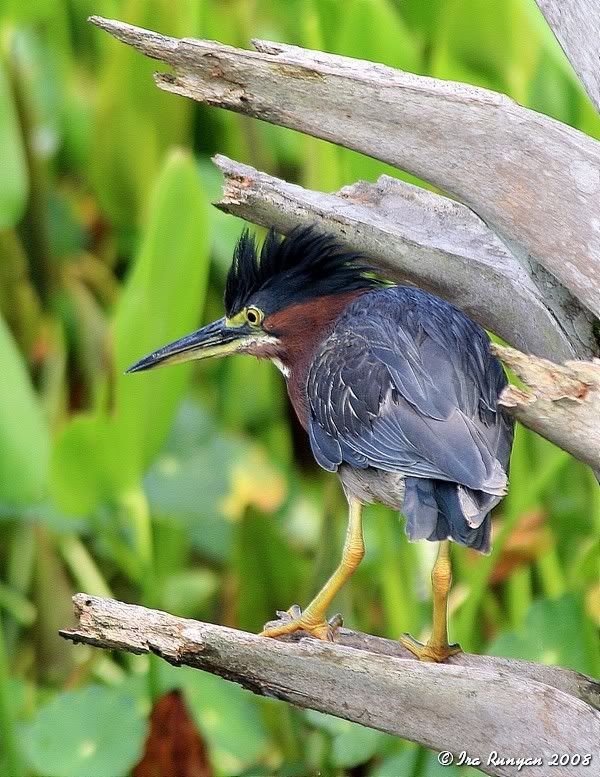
[[561, 402], [476, 704], [576, 24], [535, 181], [418, 236]]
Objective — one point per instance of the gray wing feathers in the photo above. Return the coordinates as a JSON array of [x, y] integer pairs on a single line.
[[407, 383]]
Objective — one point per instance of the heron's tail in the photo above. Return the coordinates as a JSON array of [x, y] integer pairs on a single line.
[[437, 510]]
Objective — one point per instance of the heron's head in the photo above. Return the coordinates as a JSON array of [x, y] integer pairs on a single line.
[[277, 301]]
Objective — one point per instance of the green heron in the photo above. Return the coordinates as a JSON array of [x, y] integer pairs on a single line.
[[397, 389]]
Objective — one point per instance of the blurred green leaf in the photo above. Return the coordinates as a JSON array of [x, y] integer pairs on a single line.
[[352, 744], [555, 632], [162, 300], [15, 10], [206, 479], [482, 43], [92, 732], [268, 571], [228, 717], [135, 123], [77, 483], [188, 593], [24, 443], [400, 764], [422, 16], [374, 30], [14, 184], [356, 745], [431, 767]]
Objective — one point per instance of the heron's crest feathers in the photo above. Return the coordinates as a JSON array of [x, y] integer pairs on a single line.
[[304, 265]]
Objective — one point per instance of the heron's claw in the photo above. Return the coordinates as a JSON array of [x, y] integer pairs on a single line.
[[294, 619], [429, 651]]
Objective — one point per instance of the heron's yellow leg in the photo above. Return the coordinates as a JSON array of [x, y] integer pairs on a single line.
[[437, 647], [313, 619]]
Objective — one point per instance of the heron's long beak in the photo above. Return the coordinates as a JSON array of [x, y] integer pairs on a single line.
[[216, 339]]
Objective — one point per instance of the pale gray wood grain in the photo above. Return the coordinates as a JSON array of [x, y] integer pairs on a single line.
[[535, 181], [417, 236], [476, 704], [576, 24]]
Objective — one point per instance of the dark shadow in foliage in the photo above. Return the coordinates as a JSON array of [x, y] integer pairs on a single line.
[[174, 747]]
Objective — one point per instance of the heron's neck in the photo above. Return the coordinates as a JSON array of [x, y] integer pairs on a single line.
[[301, 330]]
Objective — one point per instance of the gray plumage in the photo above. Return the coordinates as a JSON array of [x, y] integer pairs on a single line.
[[403, 403]]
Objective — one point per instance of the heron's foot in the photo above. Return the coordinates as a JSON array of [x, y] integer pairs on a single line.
[[430, 651], [294, 619]]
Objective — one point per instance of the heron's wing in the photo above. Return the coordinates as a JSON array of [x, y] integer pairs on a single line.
[[407, 383]]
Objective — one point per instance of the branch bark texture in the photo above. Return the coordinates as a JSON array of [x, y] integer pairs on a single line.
[[476, 704], [419, 237], [576, 24], [535, 181]]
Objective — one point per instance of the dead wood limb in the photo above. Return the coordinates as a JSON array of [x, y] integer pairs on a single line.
[[417, 236], [576, 24], [533, 180], [478, 704], [561, 401]]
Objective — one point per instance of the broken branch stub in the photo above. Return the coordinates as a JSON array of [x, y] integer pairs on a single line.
[[478, 704], [533, 180], [561, 401]]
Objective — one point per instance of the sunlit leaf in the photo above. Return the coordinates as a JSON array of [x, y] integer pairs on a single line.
[[92, 732], [24, 443], [205, 477]]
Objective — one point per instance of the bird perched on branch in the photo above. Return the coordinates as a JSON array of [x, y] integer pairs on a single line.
[[397, 389]]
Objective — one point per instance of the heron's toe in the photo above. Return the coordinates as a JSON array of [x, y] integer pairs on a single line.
[[429, 651], [294, 620]]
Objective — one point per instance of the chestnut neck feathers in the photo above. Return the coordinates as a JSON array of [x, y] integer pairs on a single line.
[[300, 330]]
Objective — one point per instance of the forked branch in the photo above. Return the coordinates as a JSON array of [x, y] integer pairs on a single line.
[[477, 704], [533, 180]]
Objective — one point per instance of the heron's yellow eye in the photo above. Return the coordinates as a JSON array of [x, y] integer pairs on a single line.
[[254, 316]]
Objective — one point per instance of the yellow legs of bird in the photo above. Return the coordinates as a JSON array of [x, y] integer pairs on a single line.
[[314, 619], [437, 648]]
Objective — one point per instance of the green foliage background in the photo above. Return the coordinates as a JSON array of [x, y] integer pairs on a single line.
[[190, 489]]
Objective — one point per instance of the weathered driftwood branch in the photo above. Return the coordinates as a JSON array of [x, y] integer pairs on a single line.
[[417, 236], [475, 704], [533, 180], [576, 24], [561, 401]]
